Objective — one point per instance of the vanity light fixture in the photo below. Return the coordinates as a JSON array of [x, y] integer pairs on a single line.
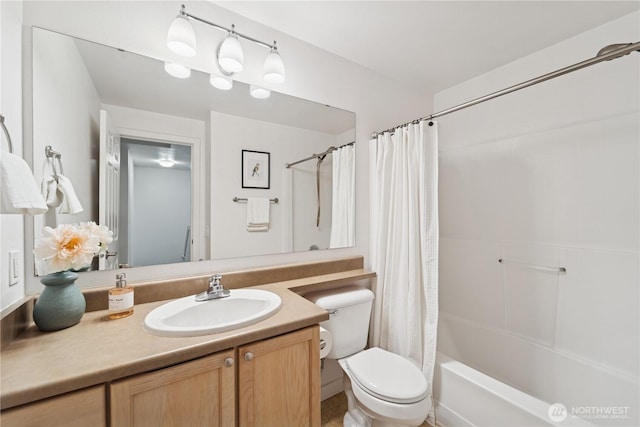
[[259, 92], [177, 70], [229, 55], [273, 66], [181, 39]]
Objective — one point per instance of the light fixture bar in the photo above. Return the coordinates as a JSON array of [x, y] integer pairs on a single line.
[[231, 30]]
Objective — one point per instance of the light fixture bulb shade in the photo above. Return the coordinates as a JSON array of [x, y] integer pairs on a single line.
[[273, 68], [220, 82], [181, 39], [177, 70], [230, 55], [259, 92]]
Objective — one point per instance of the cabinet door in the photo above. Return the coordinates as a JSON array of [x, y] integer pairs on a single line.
[[279, 381], [76, 409], [198, 393]]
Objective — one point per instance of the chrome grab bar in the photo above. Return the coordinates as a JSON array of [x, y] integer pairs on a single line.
[[534, 266], [186, 243]]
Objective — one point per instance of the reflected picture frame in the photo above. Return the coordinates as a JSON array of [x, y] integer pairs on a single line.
[[256, 169]]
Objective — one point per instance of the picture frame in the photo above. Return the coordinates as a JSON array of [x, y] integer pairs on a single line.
[[256, 169]]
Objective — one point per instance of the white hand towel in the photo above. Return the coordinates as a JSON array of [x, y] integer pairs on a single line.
[[18, 186], [50, 191], [70, 202], [258, 214]]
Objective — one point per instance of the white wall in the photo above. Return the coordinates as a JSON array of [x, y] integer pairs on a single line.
[[11, 226], [312, 73], [548, 175], [232, 134], [66, 94]]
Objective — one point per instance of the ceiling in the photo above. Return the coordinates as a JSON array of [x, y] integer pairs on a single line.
[[432, 45]]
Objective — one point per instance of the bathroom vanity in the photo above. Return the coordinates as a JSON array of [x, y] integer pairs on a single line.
[[114, 373]]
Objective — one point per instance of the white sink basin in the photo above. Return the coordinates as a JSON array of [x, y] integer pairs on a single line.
[[186, 317]]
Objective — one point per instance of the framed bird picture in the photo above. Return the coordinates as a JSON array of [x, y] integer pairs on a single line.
[[256, 169]]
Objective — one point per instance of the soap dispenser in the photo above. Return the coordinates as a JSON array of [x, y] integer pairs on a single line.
[[120, 298]]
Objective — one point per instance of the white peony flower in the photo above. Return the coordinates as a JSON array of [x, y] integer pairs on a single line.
[[105, 236], [69, 246]]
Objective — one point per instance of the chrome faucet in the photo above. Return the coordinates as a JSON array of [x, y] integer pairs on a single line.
[[215, 290]]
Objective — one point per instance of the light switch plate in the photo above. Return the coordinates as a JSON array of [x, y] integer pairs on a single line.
[[14, 268]]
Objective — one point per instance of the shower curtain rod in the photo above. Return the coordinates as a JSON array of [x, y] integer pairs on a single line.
[[607, 53], [315, 156]]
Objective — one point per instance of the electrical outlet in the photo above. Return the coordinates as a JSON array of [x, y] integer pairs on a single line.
[[15, 269]]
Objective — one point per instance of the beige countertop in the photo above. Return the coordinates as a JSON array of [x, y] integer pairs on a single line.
[[38, 364]]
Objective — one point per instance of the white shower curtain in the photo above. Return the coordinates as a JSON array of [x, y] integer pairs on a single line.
[[343, 202], [404, 242]]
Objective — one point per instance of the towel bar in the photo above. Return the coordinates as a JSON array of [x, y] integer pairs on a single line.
[[6, 132], [244, 199], [534, 266], [54, 155]]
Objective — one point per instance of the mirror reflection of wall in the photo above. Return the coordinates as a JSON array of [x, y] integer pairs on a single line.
[[74, 80]]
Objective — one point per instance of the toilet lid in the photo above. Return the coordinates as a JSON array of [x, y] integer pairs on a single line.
[[388, 376]]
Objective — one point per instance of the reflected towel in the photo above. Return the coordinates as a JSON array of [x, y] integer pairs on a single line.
[[18, 186], [258, 214], [52, 195], [70, 202], [58, 191]]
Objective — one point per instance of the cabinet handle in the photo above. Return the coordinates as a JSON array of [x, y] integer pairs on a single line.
[[248, 356], [228, 362]]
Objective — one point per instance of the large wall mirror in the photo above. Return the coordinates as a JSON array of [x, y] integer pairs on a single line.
[[179, 170]]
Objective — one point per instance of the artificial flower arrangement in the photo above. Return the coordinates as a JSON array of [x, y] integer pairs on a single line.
[[71, 246]]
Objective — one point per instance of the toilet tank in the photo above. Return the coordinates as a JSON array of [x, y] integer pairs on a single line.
[[349, 309]]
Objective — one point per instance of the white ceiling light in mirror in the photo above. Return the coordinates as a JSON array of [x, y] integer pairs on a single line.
[[230, 57], [177, 70], [220, 82], [259, 92]]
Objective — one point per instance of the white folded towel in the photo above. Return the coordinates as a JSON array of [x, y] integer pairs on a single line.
[[18, 187], [258, 214]]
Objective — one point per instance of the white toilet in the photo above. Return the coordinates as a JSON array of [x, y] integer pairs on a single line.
[[383, 389]]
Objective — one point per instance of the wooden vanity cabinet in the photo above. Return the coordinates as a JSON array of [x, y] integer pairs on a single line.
[[279, 381], [75, 409], [197, 393], [272, 383]]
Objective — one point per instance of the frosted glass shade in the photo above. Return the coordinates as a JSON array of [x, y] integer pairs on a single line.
[[181, 38], [259, 92], [177, 70], [220, 82], [273, 68], [230, 55]]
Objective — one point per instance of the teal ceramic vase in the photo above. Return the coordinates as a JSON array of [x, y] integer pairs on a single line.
[[61, 304]]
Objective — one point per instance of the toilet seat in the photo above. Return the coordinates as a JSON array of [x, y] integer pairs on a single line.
[[387, 376]]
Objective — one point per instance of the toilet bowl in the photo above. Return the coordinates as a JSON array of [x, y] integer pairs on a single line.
[[383, 389]]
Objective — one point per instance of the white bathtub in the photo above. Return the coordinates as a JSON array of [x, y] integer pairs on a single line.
[[466, 397]]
